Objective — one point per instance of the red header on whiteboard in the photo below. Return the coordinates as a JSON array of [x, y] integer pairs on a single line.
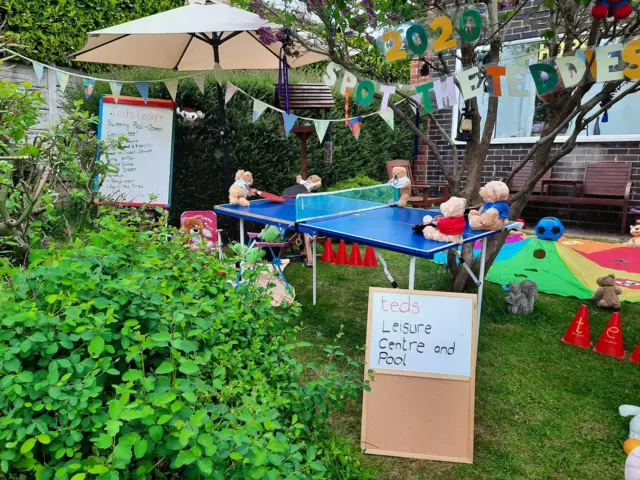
[[152, 102]]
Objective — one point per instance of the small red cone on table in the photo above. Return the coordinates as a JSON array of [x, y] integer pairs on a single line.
[[327, 254], [578, 332], [610, 342], [341, 257], [355, 260], [370, 258], [635, 356]]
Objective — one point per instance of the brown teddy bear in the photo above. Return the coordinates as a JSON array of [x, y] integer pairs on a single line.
[[634, 241], [495, 210], [449, 228], [313, 182], [241, 189], [606, 296], [400, 180]]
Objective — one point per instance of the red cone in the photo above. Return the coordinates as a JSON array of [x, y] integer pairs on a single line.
[[355, 260], [327, 254], [578, 332], [370, 258], [342, 257], [610, 342], [635, 356]]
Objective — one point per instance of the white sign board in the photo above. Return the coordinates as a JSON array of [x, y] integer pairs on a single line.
[[145, 164], [429, 334]]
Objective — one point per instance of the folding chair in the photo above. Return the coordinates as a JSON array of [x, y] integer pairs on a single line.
[[204, 226]]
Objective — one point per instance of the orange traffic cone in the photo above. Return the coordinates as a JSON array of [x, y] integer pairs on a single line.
[[610, 342], [327, 254], [370, 258], [342, 257], [355, 260], [635, 356], [578, 332]]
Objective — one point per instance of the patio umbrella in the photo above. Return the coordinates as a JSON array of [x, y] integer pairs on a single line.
[[197, 36]]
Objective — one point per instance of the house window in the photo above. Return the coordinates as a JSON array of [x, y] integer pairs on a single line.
[[520, 119]]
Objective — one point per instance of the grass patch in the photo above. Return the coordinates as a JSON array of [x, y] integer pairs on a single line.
[[543, 409]]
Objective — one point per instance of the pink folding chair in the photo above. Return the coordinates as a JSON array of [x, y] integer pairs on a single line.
[[203, 231]]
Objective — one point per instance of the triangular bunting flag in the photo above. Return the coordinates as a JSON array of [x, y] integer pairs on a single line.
[[219, 74], [199, 82], [321, 128], [172, 86], [63, 79], [388, 117], [354, 125], [258, 108], [143, 88], [88, 84], [228, 94], [116, 87], [39, 69], [289, 121]]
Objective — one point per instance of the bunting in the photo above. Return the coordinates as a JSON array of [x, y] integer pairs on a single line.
[[228, 94], [289, 121], [116, 88], [388, 117], [39, 69], [199, 79], [354, 125], [143, 88], [219, 74], [172, 86], [258, 108], [321, 128], [88, 84], [63, 79]]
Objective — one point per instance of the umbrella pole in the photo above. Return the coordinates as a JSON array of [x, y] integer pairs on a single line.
[[223, 123]]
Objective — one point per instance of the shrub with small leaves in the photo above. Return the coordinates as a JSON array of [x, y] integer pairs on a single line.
[[124, 355]]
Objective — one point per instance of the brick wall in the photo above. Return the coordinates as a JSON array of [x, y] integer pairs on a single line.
[[502, 158]]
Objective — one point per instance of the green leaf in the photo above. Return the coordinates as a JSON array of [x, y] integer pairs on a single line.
[[24, 377], [268, 424], [317, 466], [101, 303], [165, 367], [189, 367], [98, 469], [28, 445], [103, 441], [206, 466], [140, 448], [132, 375], [163, 419], [184, 437], [115, 409], [156, 433], [44, 439], [236, 456], [96, 346], [185, 458], [275, 446], [79, 476], [165, 398], [190, 397], [162, 337], [113, 427]]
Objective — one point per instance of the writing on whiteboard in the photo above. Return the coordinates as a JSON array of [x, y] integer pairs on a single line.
[[418, 333]]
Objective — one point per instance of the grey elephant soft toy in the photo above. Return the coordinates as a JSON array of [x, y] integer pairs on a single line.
[[521, 297]]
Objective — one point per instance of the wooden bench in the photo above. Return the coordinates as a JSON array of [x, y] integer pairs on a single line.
[[605, 183], [520, 178], [419, 192]]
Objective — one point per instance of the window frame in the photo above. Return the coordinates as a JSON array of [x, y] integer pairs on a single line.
[[634, 137]]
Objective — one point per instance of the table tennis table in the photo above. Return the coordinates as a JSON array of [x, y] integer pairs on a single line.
[[381, 226]]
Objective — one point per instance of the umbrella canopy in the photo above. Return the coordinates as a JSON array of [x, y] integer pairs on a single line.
[[182, 39]]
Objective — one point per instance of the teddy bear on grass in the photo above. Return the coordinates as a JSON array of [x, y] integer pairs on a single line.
[[400, 180], [495, 210], [606, 295], [449, 228], [241, 189]]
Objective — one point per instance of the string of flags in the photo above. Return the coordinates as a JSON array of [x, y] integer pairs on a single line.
[[259, 107]]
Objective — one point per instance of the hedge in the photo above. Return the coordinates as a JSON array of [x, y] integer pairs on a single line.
[[273, 158]]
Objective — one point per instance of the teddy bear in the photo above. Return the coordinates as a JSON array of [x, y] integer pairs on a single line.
[[241, 189], [634, 241], [198, 234], [606, 295], [619, 9], [494, 211], [313, 182], [400, 180], [450, 227]]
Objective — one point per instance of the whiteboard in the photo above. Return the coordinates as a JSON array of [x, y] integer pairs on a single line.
[[424, 334], [145, 164]]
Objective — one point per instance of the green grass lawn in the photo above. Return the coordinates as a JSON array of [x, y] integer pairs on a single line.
[[543, 409]]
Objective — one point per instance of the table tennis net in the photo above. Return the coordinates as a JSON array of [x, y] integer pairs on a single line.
[[344, 202]]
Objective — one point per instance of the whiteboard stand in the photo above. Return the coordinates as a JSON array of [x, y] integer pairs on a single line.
[[412, 272]]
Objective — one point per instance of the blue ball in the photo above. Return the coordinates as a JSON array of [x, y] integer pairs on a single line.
[[549, 228]]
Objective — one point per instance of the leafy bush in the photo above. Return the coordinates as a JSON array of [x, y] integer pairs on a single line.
[[261, 148], [355, 182], [123, 355]]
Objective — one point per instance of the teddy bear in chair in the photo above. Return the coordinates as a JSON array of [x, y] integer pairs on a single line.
[[495, 210], [450, 226], [400, 180], [241, 189]]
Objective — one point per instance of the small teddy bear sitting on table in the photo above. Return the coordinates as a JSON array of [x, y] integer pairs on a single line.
[[312, 183], [449, 228], [495, 210], [241, 189], [400, 180]]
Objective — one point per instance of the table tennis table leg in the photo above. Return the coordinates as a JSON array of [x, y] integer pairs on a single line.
[[315, 259], [412, 272], [483, 256], [242, 232]]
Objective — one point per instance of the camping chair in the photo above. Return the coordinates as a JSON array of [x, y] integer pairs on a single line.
[[210, 232], [419, 192]]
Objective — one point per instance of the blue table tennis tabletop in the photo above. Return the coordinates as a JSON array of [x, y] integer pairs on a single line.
[[388, 228]]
